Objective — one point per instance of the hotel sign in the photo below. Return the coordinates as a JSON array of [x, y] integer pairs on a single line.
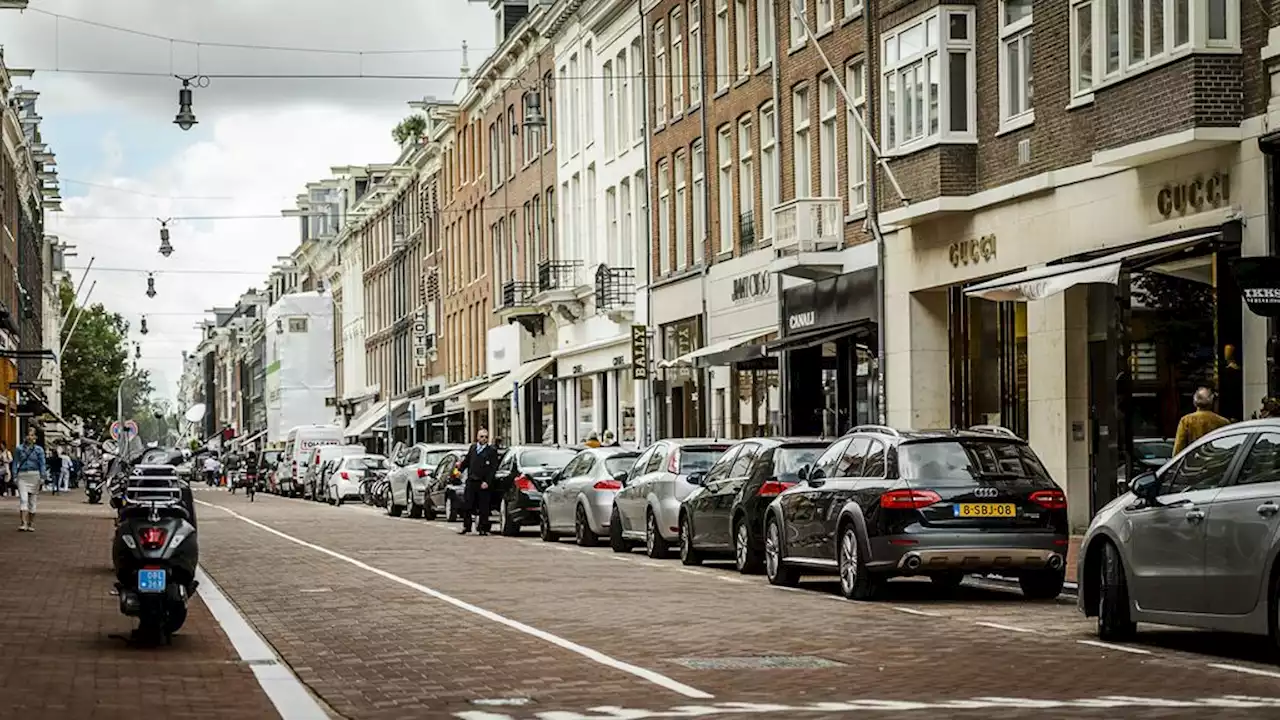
[[972, 251], [420, 338], [1203, 192]]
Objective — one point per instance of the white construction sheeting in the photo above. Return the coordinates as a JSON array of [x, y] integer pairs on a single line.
[[300, 375]]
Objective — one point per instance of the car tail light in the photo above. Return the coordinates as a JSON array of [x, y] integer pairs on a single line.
[[524, 483], [909, 499], [608, 485], [422, 472], [1050, 499], [345, 476], [153, 537], [773, 487]]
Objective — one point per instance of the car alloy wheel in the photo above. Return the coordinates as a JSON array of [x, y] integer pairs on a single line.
[[740, 545], [848, 561], [778, 572], [448, 508], [688, 553], [654, 545]]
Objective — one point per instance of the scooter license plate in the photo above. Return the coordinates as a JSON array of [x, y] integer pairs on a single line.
[[152, 581]]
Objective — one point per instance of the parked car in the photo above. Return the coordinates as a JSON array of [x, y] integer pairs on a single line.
[[266, 462], [523, 474], [580, 497], [316, 473], [647, 508], [444, 490], [1194, 543], [882, 502], [411, 476], [348, 473], [725, 515], [300, 443]]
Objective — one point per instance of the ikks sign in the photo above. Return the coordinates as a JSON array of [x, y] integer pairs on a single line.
[[1259, 282]]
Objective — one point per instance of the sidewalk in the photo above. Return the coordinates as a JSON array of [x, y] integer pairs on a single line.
[[56, 616]]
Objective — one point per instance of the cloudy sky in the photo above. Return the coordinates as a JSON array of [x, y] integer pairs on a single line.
[[257, 143]]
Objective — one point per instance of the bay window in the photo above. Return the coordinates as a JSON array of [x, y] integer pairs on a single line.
[[1115, 39], [928, 73], [1016, 89]]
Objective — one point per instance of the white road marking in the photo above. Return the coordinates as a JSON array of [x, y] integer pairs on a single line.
[[589, 653], [286, 692], [922, 613], [1011, 628], [1112, 646], [1245, 670], [689, 571]]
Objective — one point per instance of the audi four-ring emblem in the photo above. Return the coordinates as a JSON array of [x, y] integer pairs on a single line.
[[986, 492]]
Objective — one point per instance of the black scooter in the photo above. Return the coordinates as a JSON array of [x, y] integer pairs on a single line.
[[93, 484], [155, 552]]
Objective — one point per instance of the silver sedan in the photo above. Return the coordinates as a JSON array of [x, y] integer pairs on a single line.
[[580, 498], [648, 508]]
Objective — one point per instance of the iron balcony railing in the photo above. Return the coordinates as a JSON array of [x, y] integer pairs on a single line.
[[747, 230], [518, 293], [558, 274], [615, 287], [808, 225]]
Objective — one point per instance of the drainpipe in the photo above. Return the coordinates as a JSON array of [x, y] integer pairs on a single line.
[[872, 65], [704, 375], [650, 414], [784, 367]]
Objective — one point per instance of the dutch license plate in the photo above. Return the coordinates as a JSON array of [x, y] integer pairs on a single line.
[[152, 581], [986, 510]]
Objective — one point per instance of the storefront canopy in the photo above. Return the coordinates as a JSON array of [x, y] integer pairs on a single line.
[[455, 390], [496, 384], [363, 424], [803, 340], [1042, 282], [521, 375]]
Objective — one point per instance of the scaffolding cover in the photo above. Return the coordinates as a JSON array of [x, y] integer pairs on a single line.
[[300, 375]]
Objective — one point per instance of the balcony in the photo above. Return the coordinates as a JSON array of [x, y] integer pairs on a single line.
[[561, 290], [558, 275], [517, 303], [747, 231], [615, 291], [806, 231]]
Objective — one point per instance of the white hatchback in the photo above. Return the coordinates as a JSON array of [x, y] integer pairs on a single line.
[[345, 481]]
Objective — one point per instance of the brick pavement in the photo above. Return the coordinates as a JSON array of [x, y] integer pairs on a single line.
[[56, 657], [375, 649]]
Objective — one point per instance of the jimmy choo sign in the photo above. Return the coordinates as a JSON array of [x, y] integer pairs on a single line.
[[752, 286]]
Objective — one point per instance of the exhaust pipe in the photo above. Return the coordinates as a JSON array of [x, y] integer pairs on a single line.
[[912, 562], [1055, 562]]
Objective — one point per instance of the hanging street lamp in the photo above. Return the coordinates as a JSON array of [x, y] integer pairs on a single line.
[[151, 285], [166, 249], [185, 118], [143, 325]]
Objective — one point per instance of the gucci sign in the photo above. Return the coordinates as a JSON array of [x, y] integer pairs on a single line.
[[973, 251], [1195, 195]]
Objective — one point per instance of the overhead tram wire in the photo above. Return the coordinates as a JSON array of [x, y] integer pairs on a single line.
[[708, 76], [176, 271]]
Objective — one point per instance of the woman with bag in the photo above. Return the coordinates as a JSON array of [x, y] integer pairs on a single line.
[[30, 470], [6, 479]]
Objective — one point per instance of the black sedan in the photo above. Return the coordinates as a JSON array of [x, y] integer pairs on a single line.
[[444, 493], [725, 515], [525, 471]]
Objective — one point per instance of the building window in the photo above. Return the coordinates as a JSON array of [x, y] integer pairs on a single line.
[[852, 7], [611, 224], [746, 185], [1133, 35], [563, 138], [699, 203], [928, 80], [724, 189], [742, 37], [552, 237], [798, 35], [765, 31], [297, 325], [513, 157], [682, 196], [575, 106], [610, 110], [828, 173], [638, 110], [641, 189], [590, 201], [1016, 88], [856, 143], [549, 110], [677, 64], [664, 218], [662, 87], [722, 44], [589, 94], [826, 14], [624, 100], [695, 53], [802, 158], [624, 199], [768, 169]]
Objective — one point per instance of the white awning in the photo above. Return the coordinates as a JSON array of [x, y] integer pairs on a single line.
[[249, 440], [1042, 282], [713, 348], [377, 413], [455, 390], [518, 377]]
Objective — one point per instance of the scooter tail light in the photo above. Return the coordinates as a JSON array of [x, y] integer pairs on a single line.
[[153, 537]]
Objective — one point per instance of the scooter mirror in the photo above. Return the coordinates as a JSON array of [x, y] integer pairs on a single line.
[[195, 413]]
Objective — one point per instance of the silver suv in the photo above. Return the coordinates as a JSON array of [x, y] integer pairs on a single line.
[[408, 481]]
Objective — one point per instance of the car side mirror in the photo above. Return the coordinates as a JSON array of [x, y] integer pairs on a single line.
[[1146, 486], [622, 477], [817, 474], [803, 473], [696, 478]]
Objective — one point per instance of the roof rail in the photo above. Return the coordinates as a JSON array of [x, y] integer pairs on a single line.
[[877, 428], [997, 429]]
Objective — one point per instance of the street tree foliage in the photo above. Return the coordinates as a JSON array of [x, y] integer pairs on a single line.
[[410, 128]]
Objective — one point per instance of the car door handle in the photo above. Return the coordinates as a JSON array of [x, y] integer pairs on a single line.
[[1268, 508], [1195, 516]]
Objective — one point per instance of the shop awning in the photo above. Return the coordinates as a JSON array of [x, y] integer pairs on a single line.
[[363, 423], [496, 384], [716, 347], [518, 377], [455, 390], [1042, 282], [727, 352], [818, 336]]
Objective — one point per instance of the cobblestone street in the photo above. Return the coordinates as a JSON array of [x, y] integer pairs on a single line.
[[390, 618]]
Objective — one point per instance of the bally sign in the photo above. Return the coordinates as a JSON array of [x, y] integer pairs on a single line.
[[1259, 281], [752, 285]]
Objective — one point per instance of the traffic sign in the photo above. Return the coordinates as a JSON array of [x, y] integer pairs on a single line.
[[130, 428], [115, 430]]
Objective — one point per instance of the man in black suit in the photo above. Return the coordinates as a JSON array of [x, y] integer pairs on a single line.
[[481, 465]]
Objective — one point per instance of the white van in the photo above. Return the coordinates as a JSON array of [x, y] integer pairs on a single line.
[[297, 452]]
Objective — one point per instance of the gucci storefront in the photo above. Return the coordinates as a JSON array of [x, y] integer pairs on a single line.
[[828, 347]]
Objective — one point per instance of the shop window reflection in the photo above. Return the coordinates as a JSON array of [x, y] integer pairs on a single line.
[[757, 402], [586, 407], [988, 362], [679, 400], [626, 408]]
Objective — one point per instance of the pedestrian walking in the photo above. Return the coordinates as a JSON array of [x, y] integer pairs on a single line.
[[30, 470], [6, 478], [481, 465], [1200, 422], [54, 471], [593, 440], [64, 473], [211, 469]]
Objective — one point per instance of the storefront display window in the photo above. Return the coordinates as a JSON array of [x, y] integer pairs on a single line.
[[679, 404], [586, 407], [758, 403], [988, 362], [501, 430], [626, 408]]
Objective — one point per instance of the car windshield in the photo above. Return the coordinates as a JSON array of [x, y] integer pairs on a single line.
[[620, 463], [555, 458], [788, 461], [700, 459], [367, 463], [963, 462], [432, 459], [1153, 449]]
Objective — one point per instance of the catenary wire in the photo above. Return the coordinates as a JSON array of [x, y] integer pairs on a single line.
[[709, 76], [174, 271]]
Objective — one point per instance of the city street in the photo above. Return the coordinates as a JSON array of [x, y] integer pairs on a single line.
[[386, 617]]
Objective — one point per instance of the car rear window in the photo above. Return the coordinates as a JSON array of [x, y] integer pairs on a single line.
[[963, 462], [1153, 449], [620, 463], [700, 459], [546, 458], [369, 463], [788, 461]]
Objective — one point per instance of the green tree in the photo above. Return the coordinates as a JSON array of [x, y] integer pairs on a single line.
[[410, 128], [94, 362]]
